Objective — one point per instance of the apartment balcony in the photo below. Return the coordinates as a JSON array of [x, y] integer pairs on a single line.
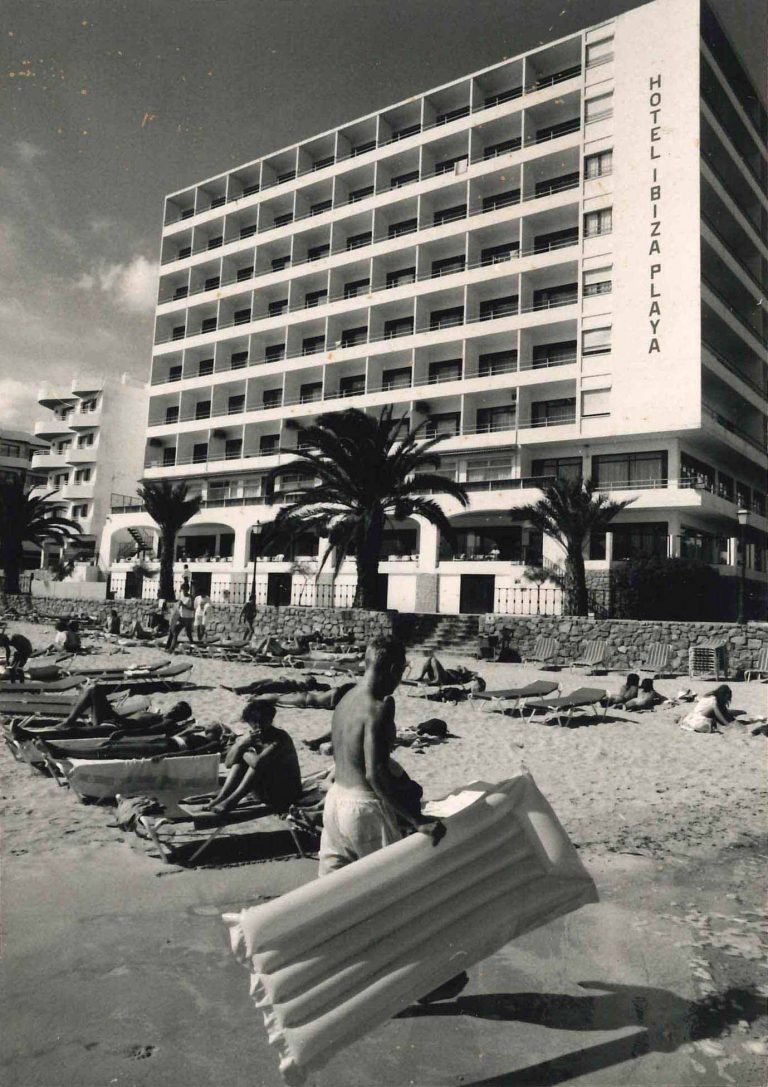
[[734, 435], [85, 420], [48, 429], [89, 454], [46, 460], [75, 492]]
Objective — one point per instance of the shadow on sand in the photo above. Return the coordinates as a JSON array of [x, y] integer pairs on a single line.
[[667, 1022]]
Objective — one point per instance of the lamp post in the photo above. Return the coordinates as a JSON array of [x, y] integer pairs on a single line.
[[742, 515]]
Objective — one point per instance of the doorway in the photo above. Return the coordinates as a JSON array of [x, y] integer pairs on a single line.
[[278, 590], [476, 595]]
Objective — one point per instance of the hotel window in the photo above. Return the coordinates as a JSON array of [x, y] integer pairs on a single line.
[[356, 287], [493, 150], [562, 128], [597, 109], [169, 456], [398, 326], [172, 414], [238, 360], [180, 292], [448, 265], [360, 194], [310, 345], [496, 362], [315, 298], [184, 252], [278, 263], [272, 398], [482, 470], [310, 391], [204, 367], [458, 164], [497, 254], [597, 281], [596, 341], [274, 352], [284, 219], [599, 52], [269, 443], [446, 318], [404, 179], [595, 402], [350, 337], [630, 469], [274, 309], [244, 273], [209, 324], [203, 409], [490, 420], [404, 133], [176, 334], [559, 467], [80, 511], [322, 163], [250, 190], [353, 385], [644, 540], [556, 184], [236, 404], [553, 354], [357, 241], [82, 475], [406, 226], [396, 379], [187, 213], [84, 441], [88, 406], [289, 175], [553, 412], [562, 295], [317, 252], [320, 207], [502, 96], [199, 452], [449, 215], [233, 447], [598, 165], [449, 370], [401, 277], [445, 423], [498, 307], [451, 115], [174, 374], [501, 200], [216, 243], [242, 316], [362, 148], [218, 202], [598, 222], [248, 231]]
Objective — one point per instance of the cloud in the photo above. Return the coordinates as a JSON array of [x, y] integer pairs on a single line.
[[27, 151], [133, 285]]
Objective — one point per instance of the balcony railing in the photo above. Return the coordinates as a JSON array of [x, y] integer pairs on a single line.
[[733, 428], [474, 208], [736, 313], [729, 247], [729, 365]]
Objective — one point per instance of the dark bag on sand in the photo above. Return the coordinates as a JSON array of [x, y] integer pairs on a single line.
[[435, 726]]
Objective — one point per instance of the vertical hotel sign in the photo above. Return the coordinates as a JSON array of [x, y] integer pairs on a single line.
[[654, 251]]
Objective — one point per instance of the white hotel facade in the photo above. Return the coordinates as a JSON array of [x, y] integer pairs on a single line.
[[559, 260]]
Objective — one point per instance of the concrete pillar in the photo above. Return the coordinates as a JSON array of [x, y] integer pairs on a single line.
[[673, 463], [609, 548], [240, 547], [733, 550], [429, 546]]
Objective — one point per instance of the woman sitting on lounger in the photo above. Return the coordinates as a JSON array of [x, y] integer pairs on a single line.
[[627, 693], [711, 710], [647, 697], [263, 763]]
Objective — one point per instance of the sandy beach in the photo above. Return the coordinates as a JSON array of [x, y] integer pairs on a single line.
[[117, 969]]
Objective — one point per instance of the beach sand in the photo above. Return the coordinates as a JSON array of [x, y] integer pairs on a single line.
[[117, 968]]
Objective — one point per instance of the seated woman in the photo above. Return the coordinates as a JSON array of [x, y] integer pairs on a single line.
[[94, 699], [112, 623], [711, 710], [647, 697], [627, 693], [137, 631], [263, 763], [435, 674], [158, 620]]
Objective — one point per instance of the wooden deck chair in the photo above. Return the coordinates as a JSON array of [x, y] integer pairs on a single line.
[[545, 652], [519, 695], [569, 705], [592, 657], [658, 659], [760, 667]]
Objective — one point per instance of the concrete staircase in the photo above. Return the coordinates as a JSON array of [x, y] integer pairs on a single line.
[[440, 633]]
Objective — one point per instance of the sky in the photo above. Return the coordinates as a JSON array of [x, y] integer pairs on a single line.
[[107, 105]]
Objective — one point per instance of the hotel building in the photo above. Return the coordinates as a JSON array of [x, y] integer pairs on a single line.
[[558, 260], [17, 449], [96, 447]]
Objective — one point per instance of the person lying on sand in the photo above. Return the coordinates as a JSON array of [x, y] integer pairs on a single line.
[[306, 700], [94, 699], [270, 646], [435, 674], [647, 697], [627, 692], [262, 763]]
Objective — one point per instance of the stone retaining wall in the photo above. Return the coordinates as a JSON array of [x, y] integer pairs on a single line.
[[628, 639]]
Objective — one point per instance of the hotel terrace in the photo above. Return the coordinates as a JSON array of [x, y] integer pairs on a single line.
[[558, 260]]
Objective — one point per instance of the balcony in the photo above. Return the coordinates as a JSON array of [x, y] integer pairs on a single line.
[[52, 428], [722, 425], [46, 460], [87, 455], [85, 420]]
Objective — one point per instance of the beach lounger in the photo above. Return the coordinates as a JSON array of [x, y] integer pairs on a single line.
[[657, 659], [760, 667], [518, 695], [41, 686], [545, 652], [570, 705], [592, 657]]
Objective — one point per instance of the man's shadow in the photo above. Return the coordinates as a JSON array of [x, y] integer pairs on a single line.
[[666, 1022]]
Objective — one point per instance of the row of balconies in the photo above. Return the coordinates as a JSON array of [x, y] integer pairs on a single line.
[[424, 119]]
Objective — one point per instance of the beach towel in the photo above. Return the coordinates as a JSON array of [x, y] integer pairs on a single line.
[[335, 958]]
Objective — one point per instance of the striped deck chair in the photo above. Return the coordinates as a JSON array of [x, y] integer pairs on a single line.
[[592, 657], [545, 652], [657, 659], [760, 667]]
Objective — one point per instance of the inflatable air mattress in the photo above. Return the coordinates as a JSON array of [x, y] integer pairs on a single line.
[[332, 960], [181, 775]]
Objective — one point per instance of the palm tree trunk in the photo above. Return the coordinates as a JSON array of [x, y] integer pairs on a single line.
[[367, 561], [167, 543], [576, 601], [11, 580]]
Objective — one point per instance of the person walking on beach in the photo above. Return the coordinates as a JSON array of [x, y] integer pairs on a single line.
[[181, 619], [248, 614], [202, 604]]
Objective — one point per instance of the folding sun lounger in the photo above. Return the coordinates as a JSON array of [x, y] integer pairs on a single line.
[[42, 686], [539, 689], [566, 706], [592, 657], [545, 652], [657, 659], [760, 667]]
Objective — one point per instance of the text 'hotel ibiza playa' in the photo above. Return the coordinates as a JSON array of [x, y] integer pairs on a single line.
[[559, 260]]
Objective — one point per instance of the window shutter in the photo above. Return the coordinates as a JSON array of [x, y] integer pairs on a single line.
[[593, 276], [596, 402], [596, 340]]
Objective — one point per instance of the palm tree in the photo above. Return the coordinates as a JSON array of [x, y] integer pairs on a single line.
[[569, 512], [369, 471], [170, 506], [25, 518]]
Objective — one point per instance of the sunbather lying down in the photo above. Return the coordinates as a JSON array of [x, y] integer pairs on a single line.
[[327, 699], [435, 674], [270, 646], [94, 699], [262, 763], [279, 685], [428, 732]]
